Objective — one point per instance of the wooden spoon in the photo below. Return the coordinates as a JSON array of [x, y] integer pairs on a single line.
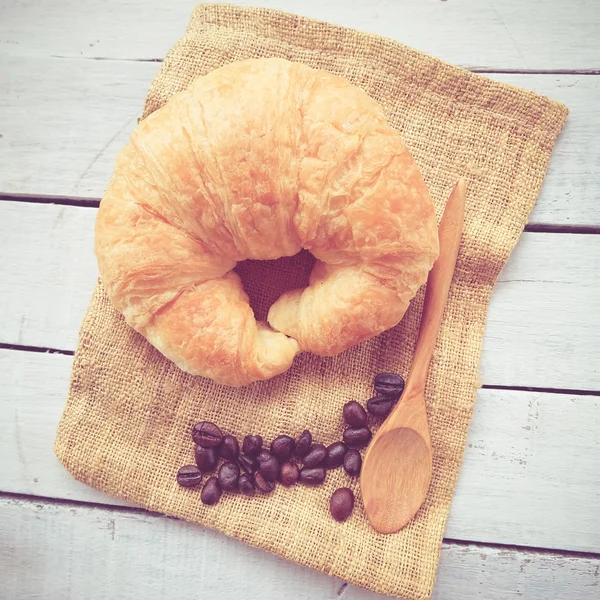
[[397, 467]]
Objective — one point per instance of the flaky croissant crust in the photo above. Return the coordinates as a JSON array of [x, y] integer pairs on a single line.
[[257, 160]]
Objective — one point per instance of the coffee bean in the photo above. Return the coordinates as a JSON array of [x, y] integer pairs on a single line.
[[247, 464], [389, 384], [229, 475], [341, 504], [314, 476], [229, 448], [303, 444], [206, 458], [211, 492], [352, 462], [268, 466], [207, 434], [316, 456], [282, 447], [354, 414], [357, 437], [262, 455], [288, 474], [262, 485], [245, 484], [252, 445], [380, 406], [189, 476], [335, 455]]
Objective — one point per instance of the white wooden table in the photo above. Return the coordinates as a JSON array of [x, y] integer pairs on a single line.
[[525, 521]]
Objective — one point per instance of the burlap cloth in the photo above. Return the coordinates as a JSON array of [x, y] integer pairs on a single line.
[[126, 426]]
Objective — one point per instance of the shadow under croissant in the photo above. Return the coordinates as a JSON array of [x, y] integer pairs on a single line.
[[266, 280]]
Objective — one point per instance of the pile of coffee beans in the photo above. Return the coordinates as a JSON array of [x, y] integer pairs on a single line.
[[287, 460]]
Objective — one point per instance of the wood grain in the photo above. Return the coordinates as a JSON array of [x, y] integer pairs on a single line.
[[143, 556], [527, 478], [573, 180], [47, 284], [526, 35], [542, 325], [84, 111], [396, 470]]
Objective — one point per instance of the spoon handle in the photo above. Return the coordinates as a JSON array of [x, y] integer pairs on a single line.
[[438, 286]]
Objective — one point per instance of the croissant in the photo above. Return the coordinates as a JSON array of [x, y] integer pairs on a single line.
[[257, 160]]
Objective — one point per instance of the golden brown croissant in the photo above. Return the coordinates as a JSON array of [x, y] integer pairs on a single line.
[[258, 160]]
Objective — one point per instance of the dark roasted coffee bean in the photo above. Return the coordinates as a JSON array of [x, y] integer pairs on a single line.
[[357, 437], [247, 464], [354, 414], [335, 455], [341, 504], [268, 466], [389, 384], [263, 455], [352, 462], [316, 456], [288, 474], [189, 476], [206, 458], [246, 485], [314, 476], [262, 485], [380, 406], [252, 445], [229, 475], [206, 434], [303, 444], [282, 447], [229, 448], [211, 492]]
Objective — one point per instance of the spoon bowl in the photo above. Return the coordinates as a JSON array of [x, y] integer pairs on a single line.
[[407, 469], [396, 471]]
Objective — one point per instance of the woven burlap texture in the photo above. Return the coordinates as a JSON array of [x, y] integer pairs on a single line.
[[126, 426]]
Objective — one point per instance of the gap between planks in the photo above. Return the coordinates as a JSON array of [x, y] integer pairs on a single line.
[[95, 203], [514, 388], [473, 69], [520, 388], [49, 501], [37, 349]]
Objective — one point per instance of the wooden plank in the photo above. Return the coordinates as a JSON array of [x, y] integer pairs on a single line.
[[531, 458], [545, 314], [531, 338], [72, 552], [526, 35], [572, 184], [84, 111], [530, 472], [29, 414], [46, 286]]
